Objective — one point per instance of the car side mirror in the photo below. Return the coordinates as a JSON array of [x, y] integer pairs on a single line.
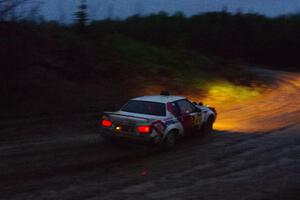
[[200, 104]]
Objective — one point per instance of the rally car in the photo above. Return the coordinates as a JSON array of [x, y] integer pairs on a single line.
[[160, 119]]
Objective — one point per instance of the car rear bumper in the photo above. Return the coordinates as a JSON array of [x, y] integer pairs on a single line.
[[128, 138]]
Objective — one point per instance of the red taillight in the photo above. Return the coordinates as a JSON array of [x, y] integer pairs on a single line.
[[144, 129], [106, 123]]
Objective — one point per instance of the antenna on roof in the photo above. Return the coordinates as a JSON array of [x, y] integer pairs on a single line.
[[165, 93]]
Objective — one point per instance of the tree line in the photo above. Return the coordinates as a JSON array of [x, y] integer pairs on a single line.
[[252, 37]]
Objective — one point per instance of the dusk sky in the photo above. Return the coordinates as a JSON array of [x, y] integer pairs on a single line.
[[99, 9]]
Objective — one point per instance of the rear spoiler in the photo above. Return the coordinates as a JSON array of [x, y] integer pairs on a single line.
[[122, 115]]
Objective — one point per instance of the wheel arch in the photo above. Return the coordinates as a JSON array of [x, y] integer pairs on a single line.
[[212, 117], [173, 130]]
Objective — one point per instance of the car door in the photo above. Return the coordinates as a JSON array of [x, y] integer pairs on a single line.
[[190, 116]]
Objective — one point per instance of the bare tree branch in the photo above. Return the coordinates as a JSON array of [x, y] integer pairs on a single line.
[[9, 6]]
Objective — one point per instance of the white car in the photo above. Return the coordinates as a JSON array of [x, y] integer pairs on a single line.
[[160, 119]]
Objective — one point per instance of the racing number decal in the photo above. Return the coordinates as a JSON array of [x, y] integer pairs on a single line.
[[159, 126], [196, 120]]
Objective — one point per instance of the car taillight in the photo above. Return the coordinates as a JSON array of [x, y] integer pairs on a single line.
[[106, 123], [144, 129]]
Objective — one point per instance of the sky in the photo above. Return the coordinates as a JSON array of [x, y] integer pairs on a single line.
[[63, 10]]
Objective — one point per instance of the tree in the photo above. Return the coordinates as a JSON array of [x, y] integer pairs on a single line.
[[82, 16]]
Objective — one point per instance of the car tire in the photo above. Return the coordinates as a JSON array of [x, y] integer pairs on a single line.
[[208, 126], [169, 141]]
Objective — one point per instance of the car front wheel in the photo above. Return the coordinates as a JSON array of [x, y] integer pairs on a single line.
[[208, 126]]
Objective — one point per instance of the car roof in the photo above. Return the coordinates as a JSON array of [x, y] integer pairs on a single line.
[[159, 98]]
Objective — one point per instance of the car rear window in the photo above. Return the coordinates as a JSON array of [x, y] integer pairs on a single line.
[[145, 107]]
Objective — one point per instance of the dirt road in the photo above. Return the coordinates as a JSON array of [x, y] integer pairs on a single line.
[[63, 157]]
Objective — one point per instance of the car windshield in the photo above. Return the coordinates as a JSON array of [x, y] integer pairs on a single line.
[[145, 107]]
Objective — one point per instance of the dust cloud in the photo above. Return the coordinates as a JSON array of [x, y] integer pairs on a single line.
[[257, 109]]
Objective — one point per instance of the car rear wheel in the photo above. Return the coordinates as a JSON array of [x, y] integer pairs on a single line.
[[170, 141]]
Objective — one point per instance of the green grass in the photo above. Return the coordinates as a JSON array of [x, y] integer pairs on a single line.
[[185, 67]]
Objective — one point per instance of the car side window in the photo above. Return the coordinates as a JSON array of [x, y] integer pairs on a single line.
[[185, 107], [175, 109]]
